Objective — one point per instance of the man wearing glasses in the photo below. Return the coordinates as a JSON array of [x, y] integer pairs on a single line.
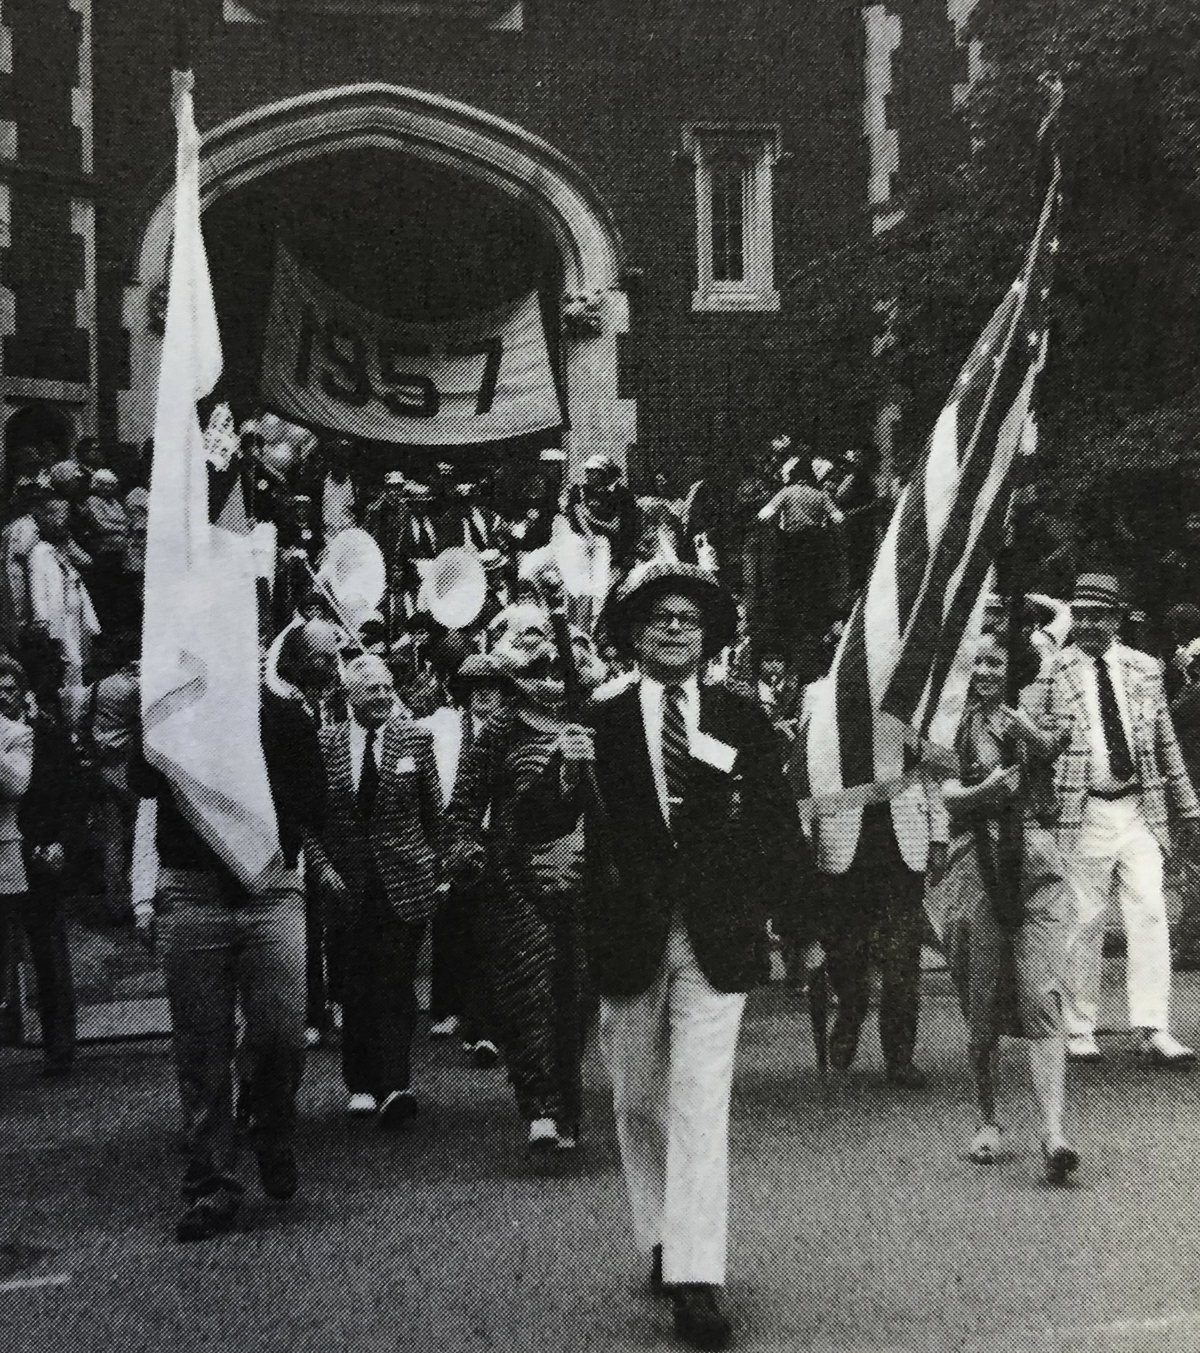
[[692, 841]]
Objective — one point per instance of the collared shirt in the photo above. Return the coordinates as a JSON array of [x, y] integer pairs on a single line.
[[652, 694], [358, 746], [1102, 776]]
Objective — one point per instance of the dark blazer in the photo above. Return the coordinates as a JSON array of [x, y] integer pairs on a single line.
[[730, 860], [400, 847], [294, 770]]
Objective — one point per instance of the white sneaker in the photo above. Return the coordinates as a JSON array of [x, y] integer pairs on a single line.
[[444, 1028], [1083, 1048], [361, 1106], [312, 1037], [1161, 1048], [543, 1135], [987, 1145]]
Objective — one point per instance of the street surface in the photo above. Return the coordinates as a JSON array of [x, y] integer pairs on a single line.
[[858, 1225]]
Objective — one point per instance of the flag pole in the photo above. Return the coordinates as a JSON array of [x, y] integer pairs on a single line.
[[1011, 583], [182, 58]]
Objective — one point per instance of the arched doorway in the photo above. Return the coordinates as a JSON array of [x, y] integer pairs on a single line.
[[35, 436], [457, 138]]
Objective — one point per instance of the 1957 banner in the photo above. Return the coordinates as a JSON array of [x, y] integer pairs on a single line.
[[329, 363]]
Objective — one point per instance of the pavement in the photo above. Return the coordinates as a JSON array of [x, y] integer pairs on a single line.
[[858, 1225]]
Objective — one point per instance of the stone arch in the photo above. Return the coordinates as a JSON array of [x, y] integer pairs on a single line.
[[460, 137]]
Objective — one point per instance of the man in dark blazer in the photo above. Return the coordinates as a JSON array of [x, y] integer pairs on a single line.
[[381, 843], [692, 844]]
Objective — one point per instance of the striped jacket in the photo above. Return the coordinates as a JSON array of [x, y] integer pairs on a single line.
[[401, 846], [1059, 705]]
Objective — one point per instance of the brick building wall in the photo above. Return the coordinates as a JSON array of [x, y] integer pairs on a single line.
[[47, 215], [611, 84]]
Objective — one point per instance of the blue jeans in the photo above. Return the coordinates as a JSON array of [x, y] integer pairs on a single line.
[[217, 952]]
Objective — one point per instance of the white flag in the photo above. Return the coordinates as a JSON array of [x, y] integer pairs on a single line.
[[200, 661]]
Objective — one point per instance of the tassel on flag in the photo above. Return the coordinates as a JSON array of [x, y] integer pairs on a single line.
[[200, 656]]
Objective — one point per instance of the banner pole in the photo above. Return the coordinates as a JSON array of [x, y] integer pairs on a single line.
[[182, 59]]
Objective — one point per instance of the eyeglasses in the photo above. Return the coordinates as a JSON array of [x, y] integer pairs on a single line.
[[664, 620]]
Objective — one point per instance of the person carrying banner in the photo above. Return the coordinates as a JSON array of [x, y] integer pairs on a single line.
[[225, 945], [692, 842], [234, 768]]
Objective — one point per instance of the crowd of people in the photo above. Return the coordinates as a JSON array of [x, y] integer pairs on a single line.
[[585, 800]]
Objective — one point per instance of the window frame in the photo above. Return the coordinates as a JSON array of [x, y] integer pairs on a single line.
[[758, 145]]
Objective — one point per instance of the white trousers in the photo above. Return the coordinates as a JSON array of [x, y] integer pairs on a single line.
[[670, 1052], [1116, 850]]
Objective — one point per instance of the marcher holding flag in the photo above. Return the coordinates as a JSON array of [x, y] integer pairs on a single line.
[[1007, 947], [899, 680], [237, 775]]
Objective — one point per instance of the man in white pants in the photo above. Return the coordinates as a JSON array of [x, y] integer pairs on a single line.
[[1118, 780], [692, 841]]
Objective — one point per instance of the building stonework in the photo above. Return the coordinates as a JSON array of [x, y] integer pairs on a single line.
[[607, 101], [48, 243]]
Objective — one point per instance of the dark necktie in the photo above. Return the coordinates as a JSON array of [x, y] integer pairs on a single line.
[[368, 777], [1119, 759], [675, 753]]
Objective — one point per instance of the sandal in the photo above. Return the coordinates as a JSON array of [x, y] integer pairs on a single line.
[[985, 1145]]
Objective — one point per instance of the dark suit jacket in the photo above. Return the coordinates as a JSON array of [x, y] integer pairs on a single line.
[[296, 775], [400, 847], [730, 860]]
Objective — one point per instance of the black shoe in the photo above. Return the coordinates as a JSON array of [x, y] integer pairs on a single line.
[[58, 1068], [1059, 1163], [211, 1215], [485, 1053], [398, 1109], [843, 1042], [278, 1174], [699, 1319], [908, 1077], [196, 1181]]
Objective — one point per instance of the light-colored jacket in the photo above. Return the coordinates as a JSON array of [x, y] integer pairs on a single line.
[[1163, 782], [918, 819]]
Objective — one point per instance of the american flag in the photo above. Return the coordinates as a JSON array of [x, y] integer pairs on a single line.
[[902, 665]]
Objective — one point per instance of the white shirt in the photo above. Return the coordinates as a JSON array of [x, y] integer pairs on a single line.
[[652, 693], [358, 746], [337, 505], [1102, 776]]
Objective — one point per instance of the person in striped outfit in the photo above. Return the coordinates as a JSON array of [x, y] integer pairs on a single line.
[[537, 945]]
